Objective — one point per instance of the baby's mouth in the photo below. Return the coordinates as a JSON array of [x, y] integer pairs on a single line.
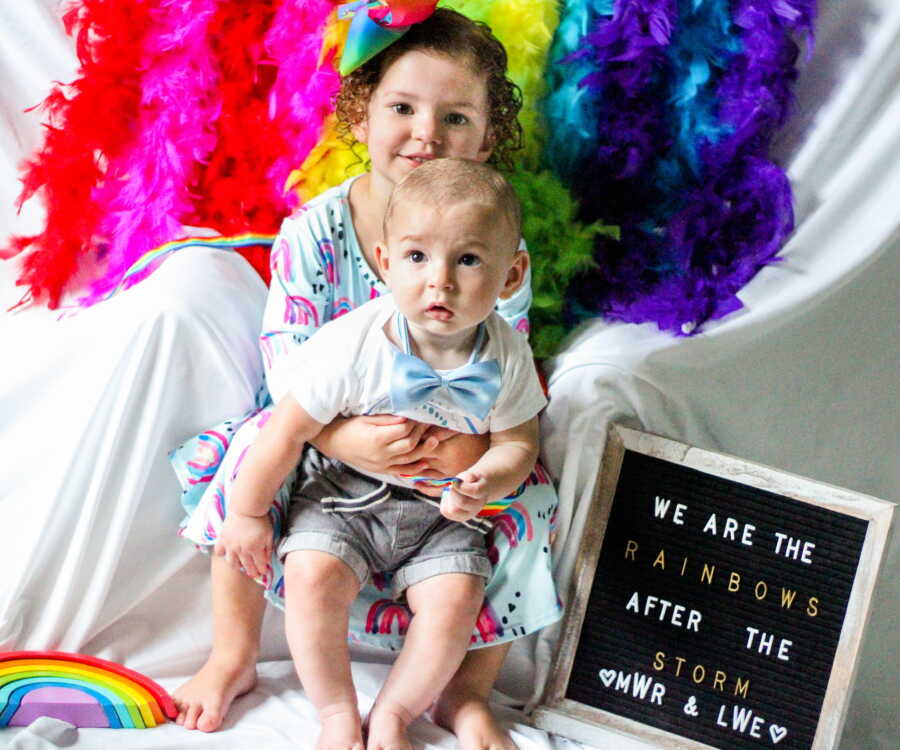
[[439, 312]]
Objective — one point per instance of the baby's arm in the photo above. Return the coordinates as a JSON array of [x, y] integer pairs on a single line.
[[246, 536], [504, 466]]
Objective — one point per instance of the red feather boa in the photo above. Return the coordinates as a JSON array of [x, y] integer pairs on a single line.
[[84, 128]]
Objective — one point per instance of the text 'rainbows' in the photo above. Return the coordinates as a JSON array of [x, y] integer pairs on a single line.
[[82, 690]]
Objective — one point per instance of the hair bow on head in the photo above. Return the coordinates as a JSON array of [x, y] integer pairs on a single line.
[[376, 25]]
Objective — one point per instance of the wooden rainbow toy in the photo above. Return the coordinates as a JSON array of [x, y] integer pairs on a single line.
[[82, 690]]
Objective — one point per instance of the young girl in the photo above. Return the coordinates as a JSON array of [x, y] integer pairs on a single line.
[[440, 90]]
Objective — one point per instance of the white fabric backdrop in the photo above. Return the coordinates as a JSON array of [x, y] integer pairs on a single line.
[[804, 378]]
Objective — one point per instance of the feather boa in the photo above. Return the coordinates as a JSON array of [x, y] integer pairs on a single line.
[[571, 108], [659, 118], [84, 129], [627, 52], [300, 100], [328, 164], [146, 193], [684, 97], [559, 245], [233, 192]]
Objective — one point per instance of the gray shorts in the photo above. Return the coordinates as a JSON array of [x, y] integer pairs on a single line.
[[402, 533]]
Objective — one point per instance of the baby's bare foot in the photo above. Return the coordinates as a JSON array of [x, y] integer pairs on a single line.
[[341, 729], [387, 729], [473, 723], [204, 700]]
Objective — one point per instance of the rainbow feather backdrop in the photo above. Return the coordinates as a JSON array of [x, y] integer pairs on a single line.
[[648, 191], [83, 690]]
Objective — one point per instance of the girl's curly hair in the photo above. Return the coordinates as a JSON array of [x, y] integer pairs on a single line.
[[454, 35]]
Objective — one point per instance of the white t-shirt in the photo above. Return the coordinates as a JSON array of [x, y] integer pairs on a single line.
[[344, 369]]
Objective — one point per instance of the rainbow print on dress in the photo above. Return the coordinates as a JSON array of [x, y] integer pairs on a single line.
[[82, 690]]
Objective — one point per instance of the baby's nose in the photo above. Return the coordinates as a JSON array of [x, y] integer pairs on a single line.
[[441, 275]]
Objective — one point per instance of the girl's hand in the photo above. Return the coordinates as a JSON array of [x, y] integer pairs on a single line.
[[246, 542], [466, 499], [454, 453], [381, 443]]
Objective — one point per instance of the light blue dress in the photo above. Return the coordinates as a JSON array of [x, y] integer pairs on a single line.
[[319, 273]]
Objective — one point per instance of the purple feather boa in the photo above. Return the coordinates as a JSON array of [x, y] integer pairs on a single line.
[[689, 269], [628, 54]]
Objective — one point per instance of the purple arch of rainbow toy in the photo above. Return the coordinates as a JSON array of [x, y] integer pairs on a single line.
[[84, 690], [13, 698]]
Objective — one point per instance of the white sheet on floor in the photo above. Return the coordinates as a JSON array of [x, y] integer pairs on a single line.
[[805, 378]]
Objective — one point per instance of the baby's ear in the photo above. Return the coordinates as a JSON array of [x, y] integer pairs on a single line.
[[516, 274], [382, 262]]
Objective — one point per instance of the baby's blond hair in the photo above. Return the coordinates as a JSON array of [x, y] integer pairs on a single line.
[[444, 182]]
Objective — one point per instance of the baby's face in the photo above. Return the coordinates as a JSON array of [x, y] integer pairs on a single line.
[[447, 265]]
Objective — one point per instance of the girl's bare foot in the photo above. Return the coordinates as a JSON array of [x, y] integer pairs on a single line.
[[473, 723], [387, 728], [341, 729], [204, 700]]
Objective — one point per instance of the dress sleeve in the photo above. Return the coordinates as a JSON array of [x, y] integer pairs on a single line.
[[515, 309], [299, 296]]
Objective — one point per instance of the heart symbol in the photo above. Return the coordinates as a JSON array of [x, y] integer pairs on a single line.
[[777, 733], [607, 676]]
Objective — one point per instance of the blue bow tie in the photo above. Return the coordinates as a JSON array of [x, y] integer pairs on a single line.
[[472, 387]]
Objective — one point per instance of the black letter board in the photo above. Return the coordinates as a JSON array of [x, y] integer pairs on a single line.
[[724, 608]]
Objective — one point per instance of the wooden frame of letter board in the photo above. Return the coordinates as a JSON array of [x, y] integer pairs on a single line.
[[587, 724]]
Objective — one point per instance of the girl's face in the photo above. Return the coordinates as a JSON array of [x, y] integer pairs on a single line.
[[426, 106]]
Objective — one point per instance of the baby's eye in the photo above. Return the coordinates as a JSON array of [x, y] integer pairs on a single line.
[[416, 256], [401, 108], [456, 118], [469, 259]]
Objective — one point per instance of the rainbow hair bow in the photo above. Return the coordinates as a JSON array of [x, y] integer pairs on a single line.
[[376, 29]]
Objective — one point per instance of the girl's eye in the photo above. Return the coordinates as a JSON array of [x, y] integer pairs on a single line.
[[402, 108], [416, 256], [455, 118], [469, 260]]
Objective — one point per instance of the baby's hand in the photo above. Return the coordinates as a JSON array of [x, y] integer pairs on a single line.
[[466, 498], [246, 542]]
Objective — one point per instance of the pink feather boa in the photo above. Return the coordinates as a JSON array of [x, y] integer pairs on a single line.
[[301, 97], [146, 194]]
